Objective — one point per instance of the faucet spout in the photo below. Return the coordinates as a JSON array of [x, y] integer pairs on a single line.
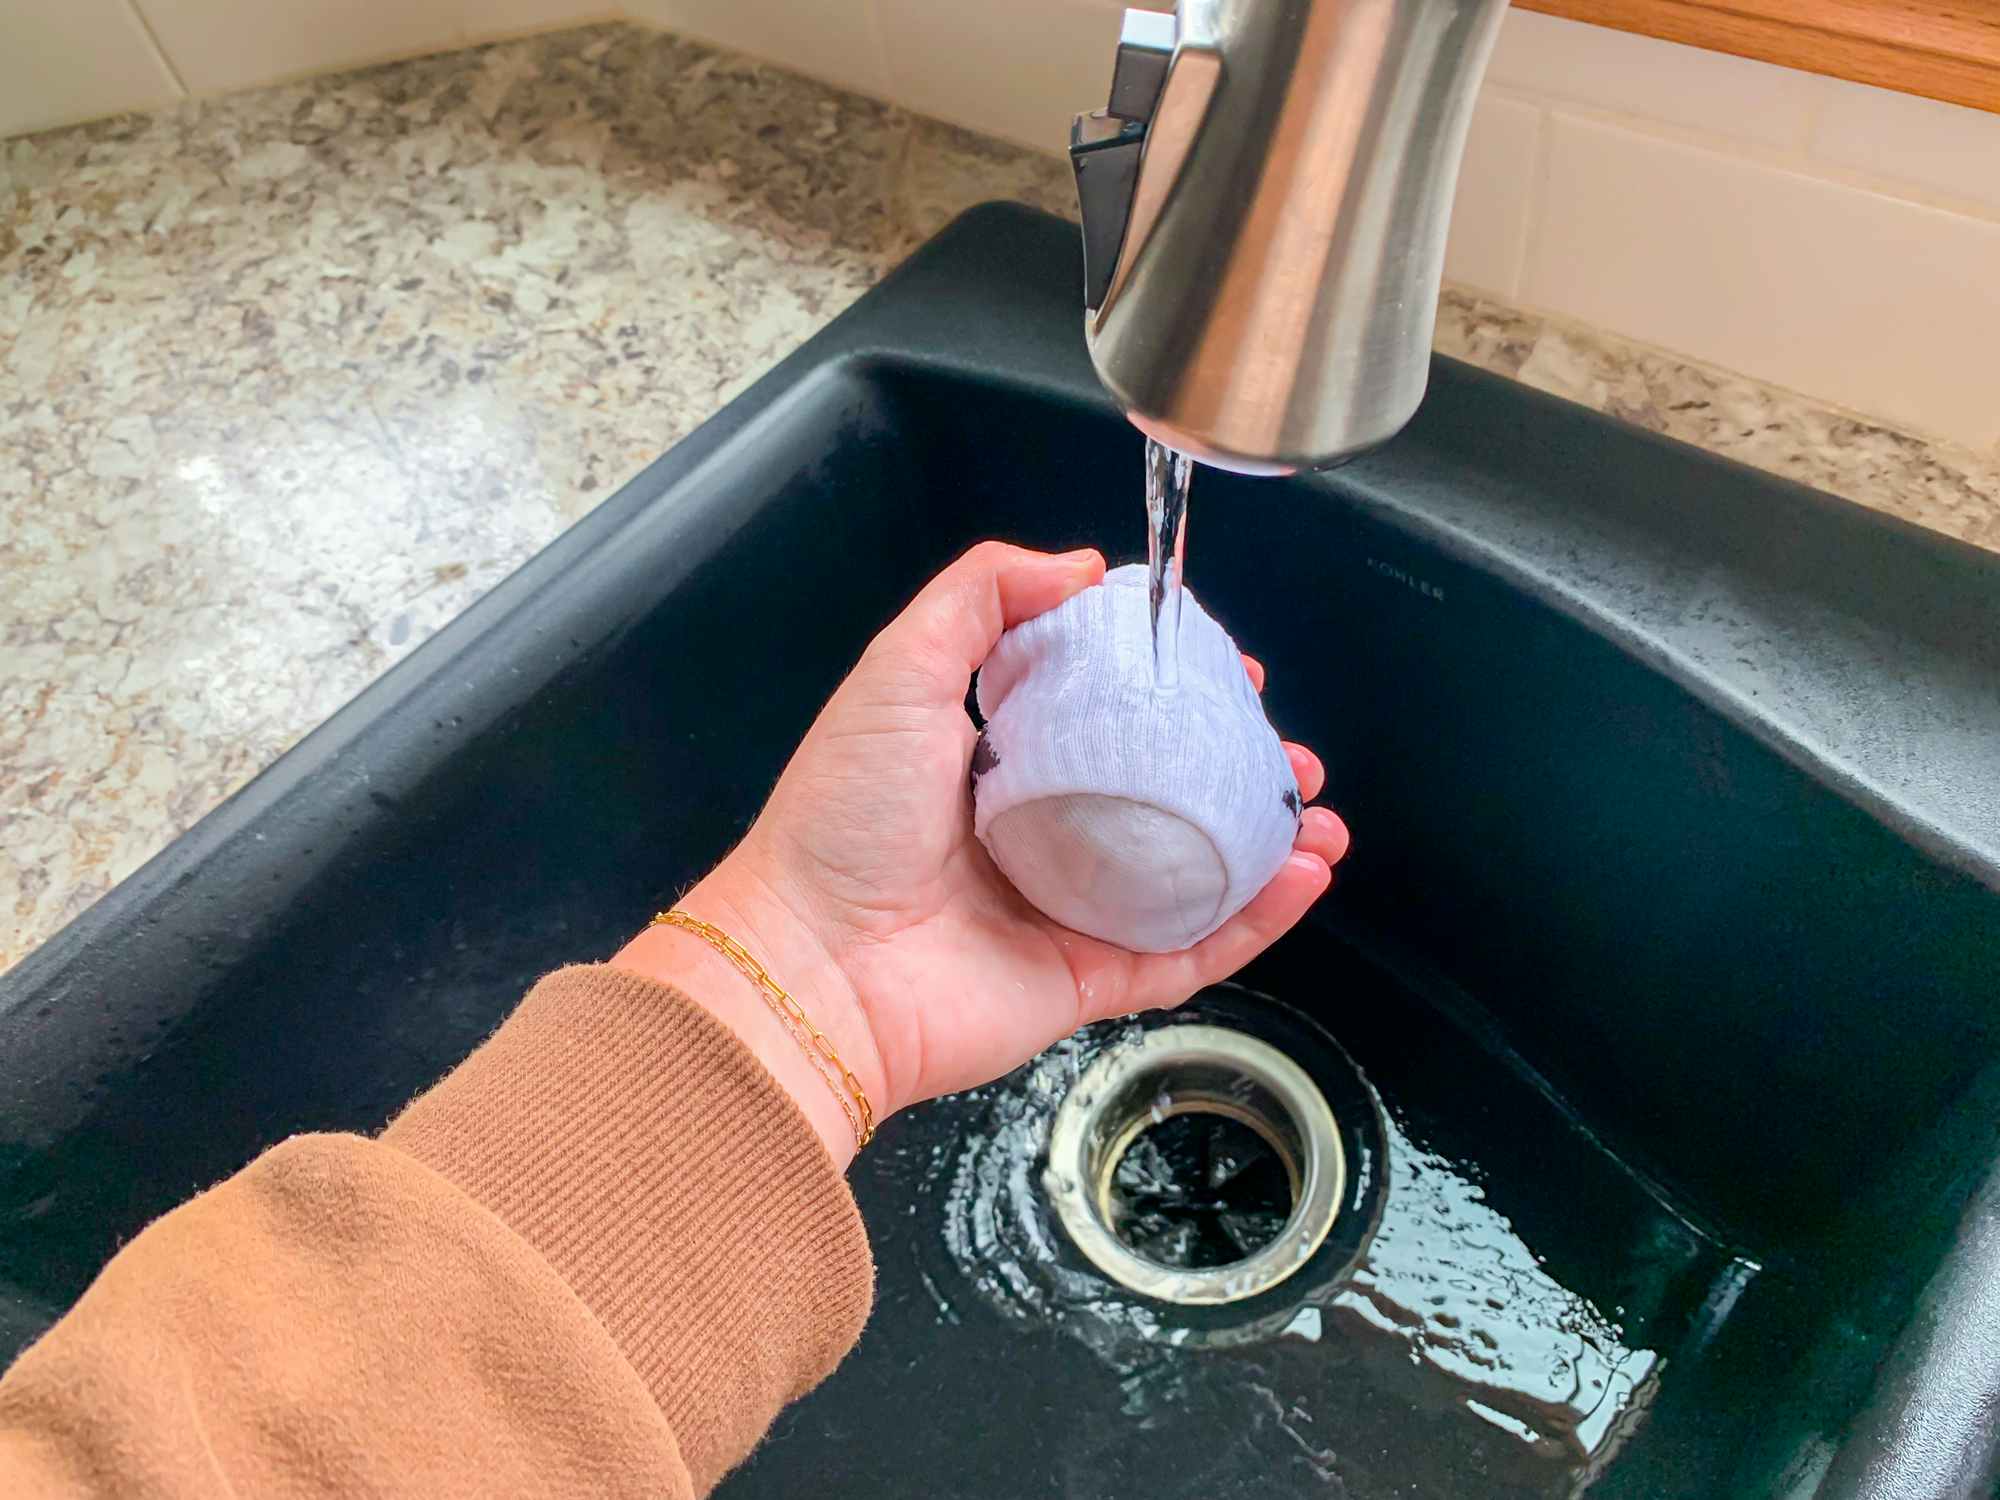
[[1264, 201]]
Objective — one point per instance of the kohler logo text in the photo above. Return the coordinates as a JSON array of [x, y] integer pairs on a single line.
[[1407, 580]]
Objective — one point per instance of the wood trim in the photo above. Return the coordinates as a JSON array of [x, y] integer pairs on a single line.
[[1943, 49]]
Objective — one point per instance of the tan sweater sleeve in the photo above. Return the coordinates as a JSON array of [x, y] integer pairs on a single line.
[[595, 1260]]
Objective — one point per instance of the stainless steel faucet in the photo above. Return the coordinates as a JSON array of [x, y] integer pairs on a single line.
[[1264, 202]]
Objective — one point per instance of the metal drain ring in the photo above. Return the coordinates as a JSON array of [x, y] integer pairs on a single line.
[[1185, 1070]]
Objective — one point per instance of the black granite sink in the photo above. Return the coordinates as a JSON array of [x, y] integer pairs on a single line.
[[1668, 955]]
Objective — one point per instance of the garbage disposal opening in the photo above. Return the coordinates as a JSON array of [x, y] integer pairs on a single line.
[[1196, 1165]]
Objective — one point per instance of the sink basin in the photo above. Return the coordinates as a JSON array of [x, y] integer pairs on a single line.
[[1664, 963]]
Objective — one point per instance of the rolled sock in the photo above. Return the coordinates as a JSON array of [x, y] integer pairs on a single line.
[[1142, 817]]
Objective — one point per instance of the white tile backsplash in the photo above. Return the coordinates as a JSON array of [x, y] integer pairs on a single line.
[[231, 44], [486, 19], [834, 40], [76, 60], [1940, 148], [1875, 302], [1020, 69], [1664, 81], [1496, 193]]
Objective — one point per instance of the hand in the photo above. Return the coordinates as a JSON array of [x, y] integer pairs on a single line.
[[862, 887]]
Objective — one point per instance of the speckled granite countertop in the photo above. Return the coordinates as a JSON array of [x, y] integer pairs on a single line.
[[288, 379]]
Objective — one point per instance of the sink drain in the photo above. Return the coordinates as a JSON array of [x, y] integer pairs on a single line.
[[1196, 1165]]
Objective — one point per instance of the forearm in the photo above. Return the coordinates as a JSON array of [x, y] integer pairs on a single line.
[[597, 1258], [334, 1320], [671, 1182], [741, 902]]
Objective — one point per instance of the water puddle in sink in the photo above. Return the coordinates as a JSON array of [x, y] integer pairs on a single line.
[[1444, 1279], [1446, 1355]]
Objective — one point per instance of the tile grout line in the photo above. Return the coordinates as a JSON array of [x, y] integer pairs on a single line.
[[1538, 198], [872, 19], [1809, 123], [1791, 159], [159, 51]]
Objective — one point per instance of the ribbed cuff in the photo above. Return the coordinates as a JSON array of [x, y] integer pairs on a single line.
[[630, 1138]]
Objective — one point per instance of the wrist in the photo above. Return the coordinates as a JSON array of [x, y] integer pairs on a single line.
[[749, 907]]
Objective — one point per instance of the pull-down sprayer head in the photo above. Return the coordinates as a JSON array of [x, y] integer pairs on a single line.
[[1265, 200]]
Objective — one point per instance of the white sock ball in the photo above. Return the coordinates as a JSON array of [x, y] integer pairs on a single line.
[[1146, 818]]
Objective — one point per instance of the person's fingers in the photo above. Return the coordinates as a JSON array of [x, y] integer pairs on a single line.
[[951, 626], [1321, 832], [1114, 982], [1158, 979], [1306, 770]]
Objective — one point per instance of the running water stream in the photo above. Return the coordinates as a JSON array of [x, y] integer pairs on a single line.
[[1168, 475]]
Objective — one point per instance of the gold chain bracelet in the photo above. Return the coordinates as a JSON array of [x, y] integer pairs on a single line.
[[826, 1062]]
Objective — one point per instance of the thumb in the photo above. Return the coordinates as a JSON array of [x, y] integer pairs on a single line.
[[952, 626]]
